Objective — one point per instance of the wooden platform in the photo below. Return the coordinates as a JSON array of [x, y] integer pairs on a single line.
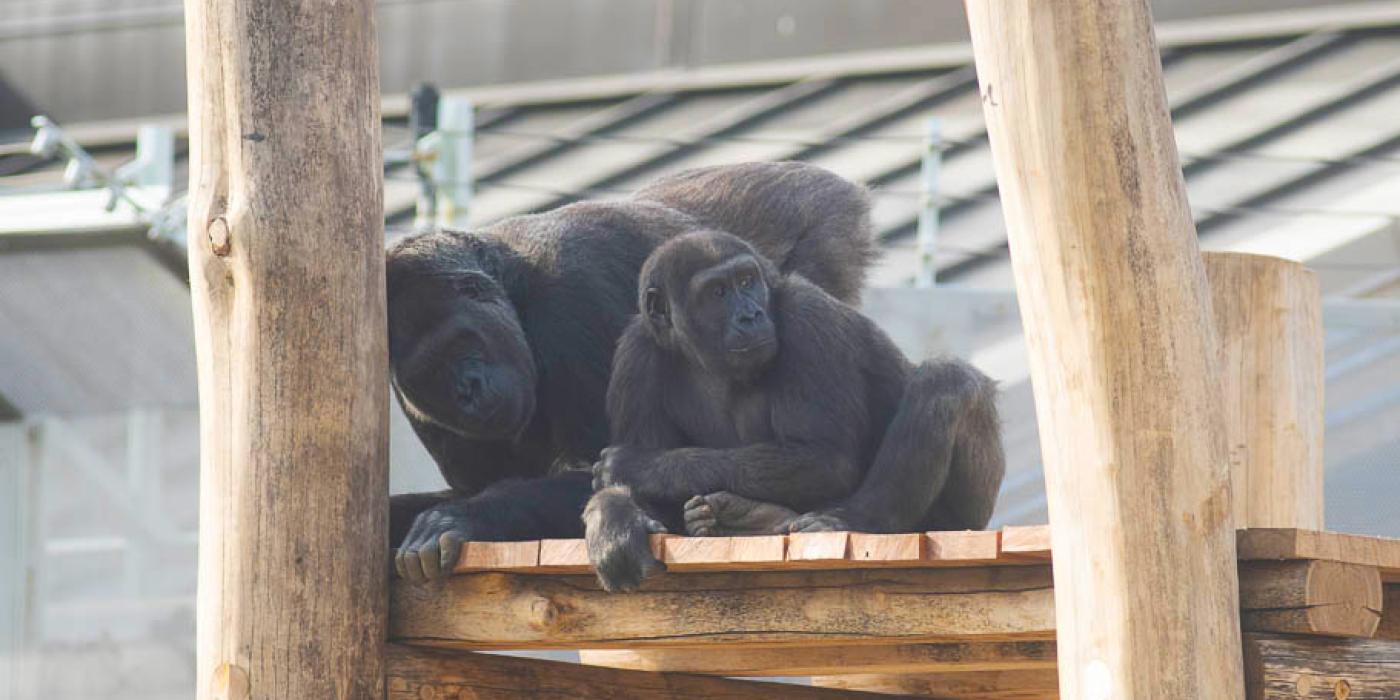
[[942, 611]]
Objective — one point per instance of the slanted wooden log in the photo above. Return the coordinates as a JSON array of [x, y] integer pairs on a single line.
[[995, 685], [1310, 597], [1268, 317], [1122, 347], [946, 657], [1303, 668], [416, 673], [286, 253]]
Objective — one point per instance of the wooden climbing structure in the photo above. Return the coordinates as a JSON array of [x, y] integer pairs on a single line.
[[1178, 398]]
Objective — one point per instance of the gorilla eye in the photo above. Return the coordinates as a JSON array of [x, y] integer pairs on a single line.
[[746, 281]]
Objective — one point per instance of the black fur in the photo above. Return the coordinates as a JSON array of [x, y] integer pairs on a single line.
[[501, 340], [728, 419]]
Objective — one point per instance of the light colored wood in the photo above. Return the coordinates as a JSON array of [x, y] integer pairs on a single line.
[[962, 547], [1268, 318], [819, 546], [418, 674], [1025, 542], [1310, 597], [896, 550], [286, 255], [1289, 543], [478, 556], [1122, 347], [946, 657], [758, 608], [1038, 684], [1318, 668], [700, 553], [564, 556]]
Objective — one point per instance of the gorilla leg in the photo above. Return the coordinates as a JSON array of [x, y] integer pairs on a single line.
[[516, 509], [940, 462]]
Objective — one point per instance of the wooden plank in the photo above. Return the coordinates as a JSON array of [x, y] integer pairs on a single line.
[[417, 673], [1310, 597], [1116, 310], [564, 556], [1303, 668], [819, 546], [481, 556], [964, 547], [1025, 542], [1268, 319], [760, 608], [1291, 543], [945, 657], [886, 550], [728, 553], [286, 262], [1039, 684]]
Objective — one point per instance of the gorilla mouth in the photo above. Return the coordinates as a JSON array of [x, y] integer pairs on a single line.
[[746, 349]]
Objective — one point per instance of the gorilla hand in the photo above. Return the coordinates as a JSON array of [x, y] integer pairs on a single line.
[[433, 544], [619, 544], [723, 513]]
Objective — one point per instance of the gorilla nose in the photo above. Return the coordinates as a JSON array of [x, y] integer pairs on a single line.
[[469, 388], [752, 317]]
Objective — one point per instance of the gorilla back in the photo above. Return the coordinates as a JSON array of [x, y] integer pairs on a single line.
[[501, 340]]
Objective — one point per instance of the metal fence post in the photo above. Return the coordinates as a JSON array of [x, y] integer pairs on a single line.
[[453, 169], [927, 274]]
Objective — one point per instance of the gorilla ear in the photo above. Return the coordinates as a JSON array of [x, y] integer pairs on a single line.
[[657, 313]]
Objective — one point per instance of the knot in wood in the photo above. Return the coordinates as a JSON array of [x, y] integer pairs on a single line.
[[218, 233], [544, 614], [230, 682]]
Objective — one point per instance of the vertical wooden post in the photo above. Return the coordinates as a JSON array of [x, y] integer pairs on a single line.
[[287, 278], [1268, 316], [1116, 308]]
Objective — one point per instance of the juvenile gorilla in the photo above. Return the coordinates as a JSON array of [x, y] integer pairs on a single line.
[[501, 341], [741, 397]]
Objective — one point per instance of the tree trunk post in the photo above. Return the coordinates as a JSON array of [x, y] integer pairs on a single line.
[[286, 255], [1116, 308], [1268, 315]]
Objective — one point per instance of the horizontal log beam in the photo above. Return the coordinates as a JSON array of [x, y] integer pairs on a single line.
[[1039, 684], [1301, 668], [761, 608], [415, 673], [1390, 613], [947, 657], [1310, 597]]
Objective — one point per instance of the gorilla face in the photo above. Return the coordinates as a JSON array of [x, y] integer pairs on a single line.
[[458, 354]]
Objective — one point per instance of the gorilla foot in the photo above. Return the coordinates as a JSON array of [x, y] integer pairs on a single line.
[[618, 533], [723, 513], [819, 522], [432, 546]]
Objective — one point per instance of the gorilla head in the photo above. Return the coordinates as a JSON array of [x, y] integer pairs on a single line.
[[458, 355], [707, 295]]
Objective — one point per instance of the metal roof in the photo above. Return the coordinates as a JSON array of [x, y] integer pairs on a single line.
[[1290, 144]]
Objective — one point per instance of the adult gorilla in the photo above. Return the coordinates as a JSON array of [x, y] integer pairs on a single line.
[[501, 341]]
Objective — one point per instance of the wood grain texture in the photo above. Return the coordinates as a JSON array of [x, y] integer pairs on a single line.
[[1310, 597], [481, 556], [417, 673], [1268, 318], [819, 546], [1025, 542], [887, 550], [286, 256], [1123, 354], [759, 608], [1301, 668], [1041, 684], [962, 547], [1291, 543], [945, 657]]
